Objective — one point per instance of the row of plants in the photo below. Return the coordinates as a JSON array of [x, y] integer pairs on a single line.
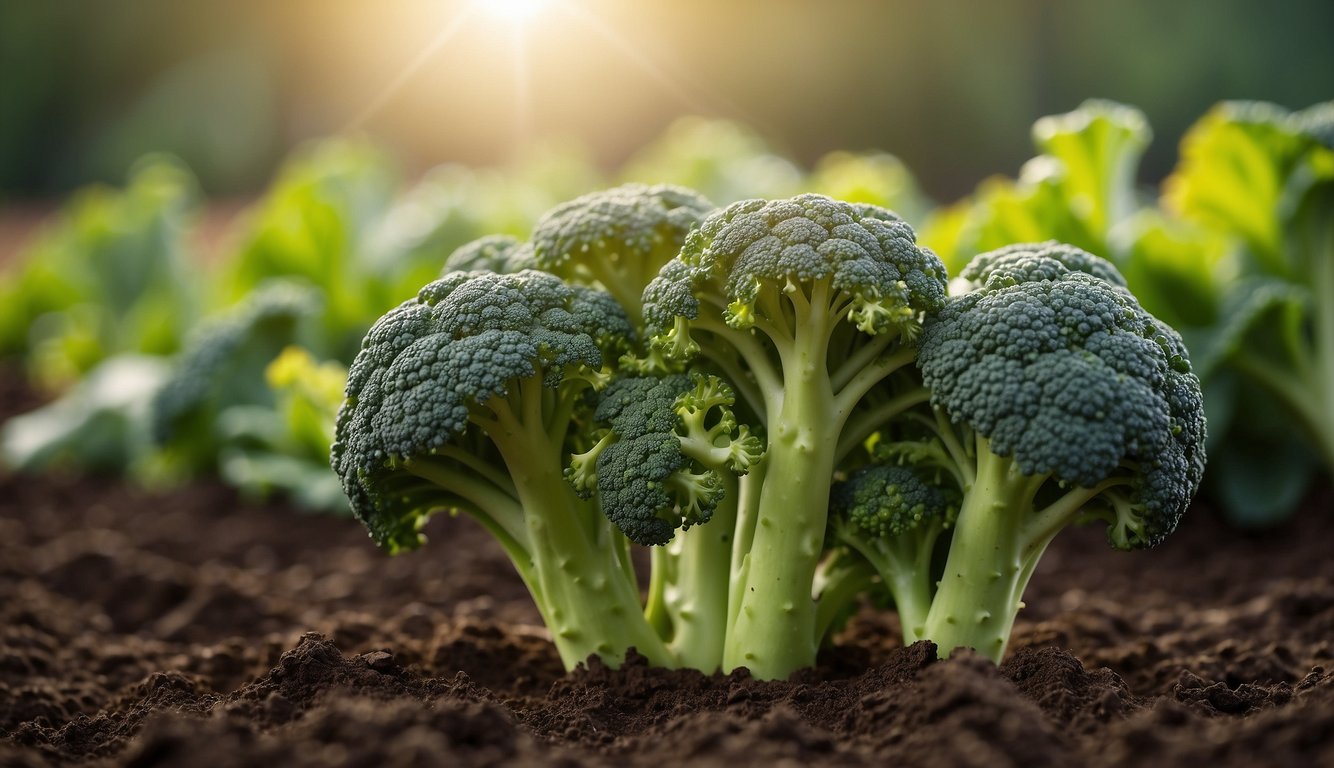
[[790, 399], [157, 346]]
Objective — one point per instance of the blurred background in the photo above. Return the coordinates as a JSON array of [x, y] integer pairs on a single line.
[[951, 87]]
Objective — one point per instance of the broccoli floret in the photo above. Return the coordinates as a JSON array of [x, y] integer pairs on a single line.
[[618, 238], [805, 305], [503, 254], [669, 460], [663, 462], [893, 516], [466, 398], [1056, 399]]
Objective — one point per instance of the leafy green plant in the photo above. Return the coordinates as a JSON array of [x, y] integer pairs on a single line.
[[1261, 180], [1079, 189], [101, 424], [281, 447], [222, 369], [111, 276]]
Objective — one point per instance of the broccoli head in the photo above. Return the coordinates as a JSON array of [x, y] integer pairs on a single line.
[[466, 398], [618, 238], [453, 356], [806, 305], [1056, 399], [893, 515], [1064, 373]]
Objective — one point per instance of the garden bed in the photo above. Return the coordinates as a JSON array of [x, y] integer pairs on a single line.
[[190, 627]]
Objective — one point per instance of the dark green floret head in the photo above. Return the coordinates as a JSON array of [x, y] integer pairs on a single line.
[[660, 464], [429, 363], [1068, 375], [865, 253], [1014, 262], [881, 501]]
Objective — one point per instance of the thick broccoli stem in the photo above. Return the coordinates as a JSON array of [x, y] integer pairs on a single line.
[[774, 624], [701, 562], [989, 563], [998, 539], [586, 600]]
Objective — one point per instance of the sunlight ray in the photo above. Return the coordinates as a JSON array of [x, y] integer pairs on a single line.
[[692, 95], [450, 30]]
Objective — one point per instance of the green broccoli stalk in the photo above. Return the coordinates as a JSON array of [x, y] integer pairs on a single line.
[[467, 398], [893, 516], [1056, 399], [669, 460], [617, 239], [805, 305]]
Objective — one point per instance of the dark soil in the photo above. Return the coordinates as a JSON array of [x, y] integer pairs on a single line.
[[189, 628]]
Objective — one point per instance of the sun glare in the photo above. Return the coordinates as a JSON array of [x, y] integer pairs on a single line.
[[514, 11]]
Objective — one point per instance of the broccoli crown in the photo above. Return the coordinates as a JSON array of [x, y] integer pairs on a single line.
[[493, 253], [464, 340], [881, 501], [227, 357], [867, 253], [633, 223], [1018, 259], [1068, 375], [673, 437]]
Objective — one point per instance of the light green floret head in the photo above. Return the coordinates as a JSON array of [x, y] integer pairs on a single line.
[[1068, 375], [868, 255], [430, 364], [503, 254], [660, 465], [618, 238]]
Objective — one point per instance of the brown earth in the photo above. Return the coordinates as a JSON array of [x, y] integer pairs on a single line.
[[189, 628]]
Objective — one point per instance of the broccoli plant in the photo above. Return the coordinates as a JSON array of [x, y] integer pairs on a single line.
[[805, 412], [805, 305], [222, 368], [893, 516], [1055, 399], [468, 398]]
